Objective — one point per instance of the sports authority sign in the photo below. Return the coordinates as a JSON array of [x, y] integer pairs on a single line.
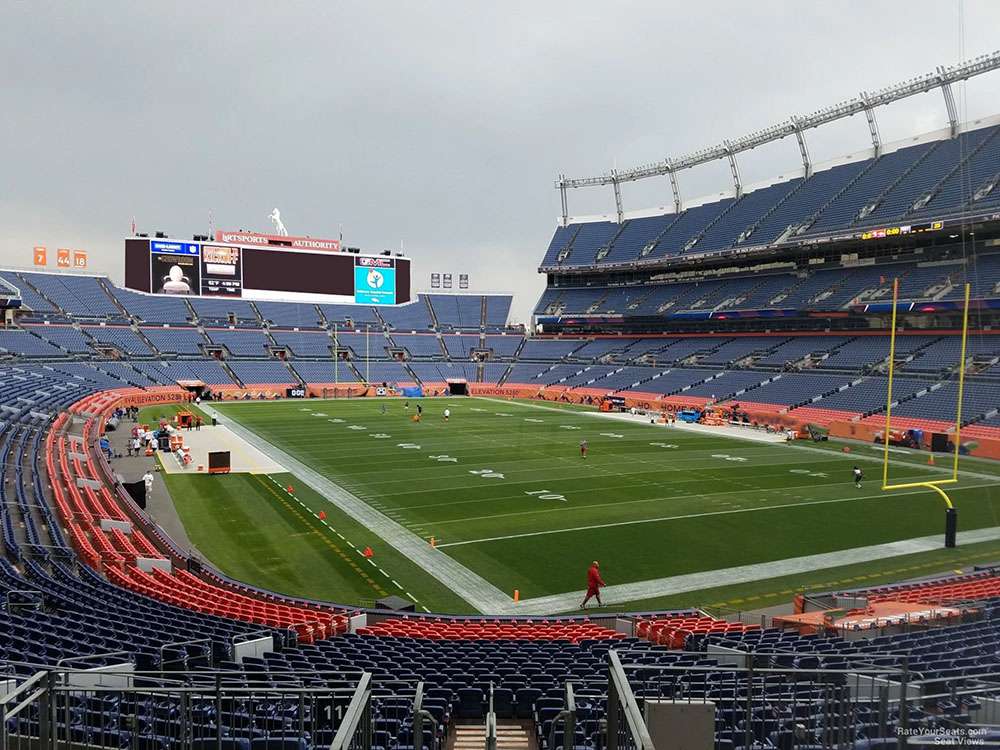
[[276, 240]]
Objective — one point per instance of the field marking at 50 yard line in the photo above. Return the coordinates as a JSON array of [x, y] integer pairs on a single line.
[[465, 583], [488, 599]]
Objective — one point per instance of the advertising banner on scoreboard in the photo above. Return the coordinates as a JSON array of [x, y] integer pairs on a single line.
[[221, 271], [374, 281], [174, 267], [276, 240]]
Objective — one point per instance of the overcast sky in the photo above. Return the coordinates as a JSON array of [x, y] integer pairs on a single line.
[[438, 125]]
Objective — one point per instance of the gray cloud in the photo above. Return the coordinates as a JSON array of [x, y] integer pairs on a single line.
[[438, 125]]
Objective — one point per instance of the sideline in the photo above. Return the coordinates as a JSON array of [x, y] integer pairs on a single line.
[[657, 587], [470, 586]]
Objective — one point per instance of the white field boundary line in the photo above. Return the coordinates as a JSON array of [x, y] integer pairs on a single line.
[[660, 519], [329, 528], [470, 586], [640, 590], [793, 445]]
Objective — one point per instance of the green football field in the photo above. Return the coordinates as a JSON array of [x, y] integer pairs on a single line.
[[502, 488]]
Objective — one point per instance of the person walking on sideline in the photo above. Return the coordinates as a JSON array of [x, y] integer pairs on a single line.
[[147, 479], [594, 583]]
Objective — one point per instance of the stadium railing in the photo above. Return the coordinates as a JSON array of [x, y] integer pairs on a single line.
[[566, 718], [491, 723], [420, 715], [968, 610], [973, 703], [106, 707], [766, 704], [355, 732], [626, 729]]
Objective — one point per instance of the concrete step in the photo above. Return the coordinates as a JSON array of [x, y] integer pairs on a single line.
[[509, 737]]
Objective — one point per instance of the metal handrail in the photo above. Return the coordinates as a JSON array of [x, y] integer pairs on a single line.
[[28, 593], [249, 636], [419, 715], [356, 711], [192, 642], [491, 724], [7, 712], [568, 718], [91, 657], [620, 693], [26, 685]]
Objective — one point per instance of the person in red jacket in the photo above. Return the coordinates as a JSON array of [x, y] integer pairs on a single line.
[[594, 583]]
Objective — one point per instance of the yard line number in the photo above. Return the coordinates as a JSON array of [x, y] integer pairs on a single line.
[[545, 495]]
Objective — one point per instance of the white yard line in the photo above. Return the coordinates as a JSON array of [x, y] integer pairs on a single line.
[[636, 522]]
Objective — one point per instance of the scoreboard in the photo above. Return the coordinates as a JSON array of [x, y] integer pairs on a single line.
[[273, 268]]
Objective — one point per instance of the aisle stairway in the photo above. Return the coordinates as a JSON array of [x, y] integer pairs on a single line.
[[512, 734]]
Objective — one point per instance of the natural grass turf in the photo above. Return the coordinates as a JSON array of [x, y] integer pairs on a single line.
[[725, 600], [251, 528], [655, 511]]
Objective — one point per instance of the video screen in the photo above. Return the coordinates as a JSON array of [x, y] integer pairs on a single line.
[[297, 272], [374, 281], [175, 268], [221, 272]]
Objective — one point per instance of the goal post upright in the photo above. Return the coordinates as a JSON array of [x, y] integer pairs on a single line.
[[951, 513], [888, 388]]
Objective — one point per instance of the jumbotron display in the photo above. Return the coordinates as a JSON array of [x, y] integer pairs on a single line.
[[244, 265]]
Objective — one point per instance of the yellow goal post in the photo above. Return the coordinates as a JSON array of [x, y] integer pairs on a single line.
[[931, 484]]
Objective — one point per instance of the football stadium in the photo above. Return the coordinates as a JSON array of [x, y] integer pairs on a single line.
[[734, 484]]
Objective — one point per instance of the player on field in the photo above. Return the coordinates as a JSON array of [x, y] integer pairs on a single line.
[[594, 583], [447, 413], [858, 476], [583, 448]]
